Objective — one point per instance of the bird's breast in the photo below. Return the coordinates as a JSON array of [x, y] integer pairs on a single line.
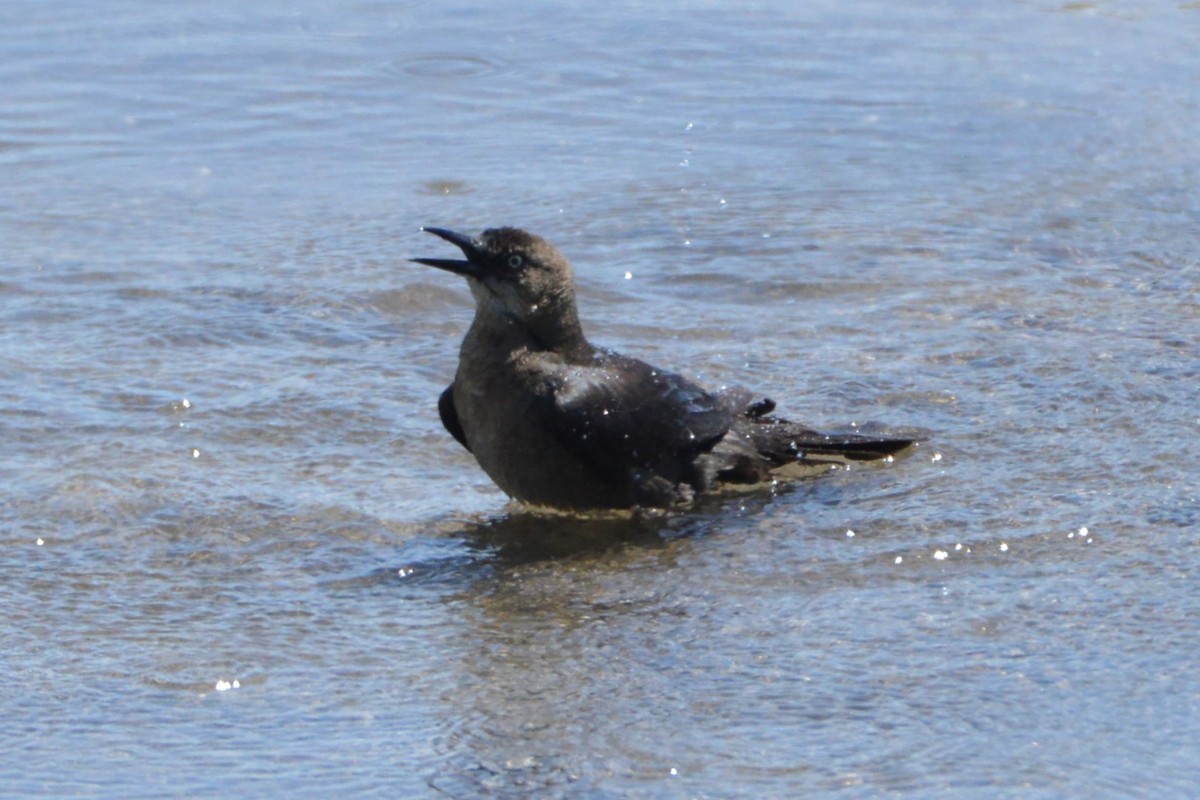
[[502, 399]]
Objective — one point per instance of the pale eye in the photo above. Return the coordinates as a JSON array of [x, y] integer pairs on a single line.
[[515, 261]]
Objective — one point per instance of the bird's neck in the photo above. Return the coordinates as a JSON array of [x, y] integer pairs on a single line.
[[555, 330], [560, 330]]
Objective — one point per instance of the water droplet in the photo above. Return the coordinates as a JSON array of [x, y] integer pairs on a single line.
[[445, 187]]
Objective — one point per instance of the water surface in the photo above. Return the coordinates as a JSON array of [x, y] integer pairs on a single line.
[[240, 558]]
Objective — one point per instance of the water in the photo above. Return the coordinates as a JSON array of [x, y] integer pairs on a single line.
[[223, 461]]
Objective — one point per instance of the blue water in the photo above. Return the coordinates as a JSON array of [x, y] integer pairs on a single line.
[[239, 557]]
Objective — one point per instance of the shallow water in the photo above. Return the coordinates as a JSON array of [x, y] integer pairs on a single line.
[[240, 558]]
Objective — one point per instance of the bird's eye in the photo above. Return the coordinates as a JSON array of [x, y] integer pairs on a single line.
[[515, 261]]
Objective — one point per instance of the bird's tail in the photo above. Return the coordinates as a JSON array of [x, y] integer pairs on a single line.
[[783, 442]]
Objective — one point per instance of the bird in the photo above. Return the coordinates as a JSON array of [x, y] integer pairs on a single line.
[[559, 423]]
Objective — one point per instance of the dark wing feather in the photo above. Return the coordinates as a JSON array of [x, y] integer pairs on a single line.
[[449, 415], [619, 414]]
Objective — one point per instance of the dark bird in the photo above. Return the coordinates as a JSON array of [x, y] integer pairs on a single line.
[[560, 423]]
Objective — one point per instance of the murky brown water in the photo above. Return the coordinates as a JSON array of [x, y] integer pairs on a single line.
[[240, 558]]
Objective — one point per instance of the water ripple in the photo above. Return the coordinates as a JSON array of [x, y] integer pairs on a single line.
[[444, 66]]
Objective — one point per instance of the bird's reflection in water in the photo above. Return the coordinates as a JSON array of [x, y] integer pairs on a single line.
[[525, 536], [459, 552], [456, 553]]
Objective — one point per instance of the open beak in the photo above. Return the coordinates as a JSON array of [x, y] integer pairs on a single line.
[[472, 267]]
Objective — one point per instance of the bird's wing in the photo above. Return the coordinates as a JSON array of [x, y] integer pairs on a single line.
[[449, 415], [619, 414]]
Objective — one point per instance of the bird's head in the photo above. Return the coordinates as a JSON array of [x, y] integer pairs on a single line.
[[515, 275]]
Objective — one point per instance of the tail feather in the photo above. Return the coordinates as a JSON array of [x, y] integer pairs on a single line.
[[783, 442], [855, 447], [759, 443]]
